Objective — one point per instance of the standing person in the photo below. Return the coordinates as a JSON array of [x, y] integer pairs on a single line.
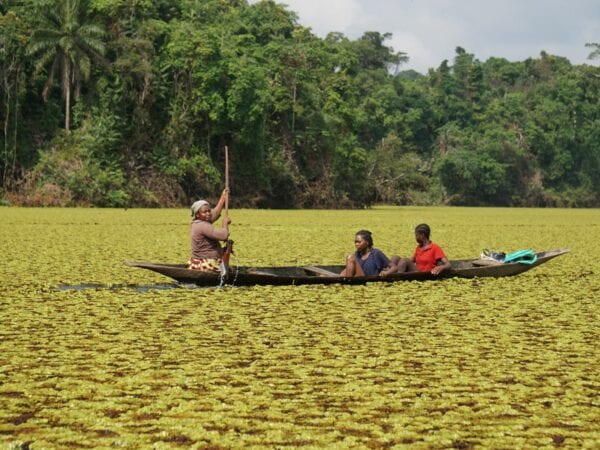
[[428, 256], [367, 260], [207, 253]]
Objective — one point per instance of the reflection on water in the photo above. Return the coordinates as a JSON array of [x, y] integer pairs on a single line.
[[137, 287]]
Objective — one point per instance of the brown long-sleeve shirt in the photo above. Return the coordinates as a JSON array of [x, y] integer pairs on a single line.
[[205, 240]]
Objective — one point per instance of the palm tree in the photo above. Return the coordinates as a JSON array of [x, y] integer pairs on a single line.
[[67, 42]]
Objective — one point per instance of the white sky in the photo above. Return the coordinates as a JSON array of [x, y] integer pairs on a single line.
[[430, 30]]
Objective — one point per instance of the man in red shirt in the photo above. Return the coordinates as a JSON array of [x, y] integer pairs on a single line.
[[428, 256]]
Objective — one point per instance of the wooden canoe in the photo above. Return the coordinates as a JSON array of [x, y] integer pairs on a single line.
[[297, 275]]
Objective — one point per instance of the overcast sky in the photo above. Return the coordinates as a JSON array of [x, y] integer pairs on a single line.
[[430, 30]]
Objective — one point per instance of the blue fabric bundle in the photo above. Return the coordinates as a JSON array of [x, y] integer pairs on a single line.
[[521, 256]]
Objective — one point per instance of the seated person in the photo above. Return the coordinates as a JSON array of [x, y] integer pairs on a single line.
[[367, 260], [428, 256]]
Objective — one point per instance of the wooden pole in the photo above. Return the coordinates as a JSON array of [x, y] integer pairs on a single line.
[[227, 181], [229, 244]]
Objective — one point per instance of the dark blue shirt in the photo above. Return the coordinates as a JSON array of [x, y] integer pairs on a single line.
[[375, 262]]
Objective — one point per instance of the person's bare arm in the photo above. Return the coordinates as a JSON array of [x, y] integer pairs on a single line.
[[216, 211], [441, 267], [391, 268]]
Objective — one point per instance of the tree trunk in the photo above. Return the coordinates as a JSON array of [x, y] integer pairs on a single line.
[[68, 108], [67, 88], [10, 84]]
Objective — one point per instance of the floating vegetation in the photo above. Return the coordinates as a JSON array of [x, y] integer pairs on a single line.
[[129, 362]]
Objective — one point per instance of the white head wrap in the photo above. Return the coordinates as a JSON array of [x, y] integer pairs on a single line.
[[197, 205]]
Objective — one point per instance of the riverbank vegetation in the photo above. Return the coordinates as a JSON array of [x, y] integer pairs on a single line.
[[114, 103]]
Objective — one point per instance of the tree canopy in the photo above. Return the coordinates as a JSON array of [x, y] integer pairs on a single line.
[[141, 97]]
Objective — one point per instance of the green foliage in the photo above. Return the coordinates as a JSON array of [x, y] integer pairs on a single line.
[[310, 122], [68, 172], [471, 179], [398, 175], [12, 61], [196, 174], [351, 185], [283, 187], [486, 168], [596, 50], [68, 42], [373, 54]]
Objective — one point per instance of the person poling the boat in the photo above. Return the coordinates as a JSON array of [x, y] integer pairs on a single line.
[[367, 260], [428, 256], [207, 253]]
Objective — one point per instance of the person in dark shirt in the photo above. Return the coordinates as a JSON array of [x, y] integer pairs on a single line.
[[367, 260]]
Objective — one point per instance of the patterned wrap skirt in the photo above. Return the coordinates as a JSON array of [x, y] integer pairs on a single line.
[[205, 264]]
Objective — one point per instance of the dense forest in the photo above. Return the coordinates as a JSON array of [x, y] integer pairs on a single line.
[[123, 103]]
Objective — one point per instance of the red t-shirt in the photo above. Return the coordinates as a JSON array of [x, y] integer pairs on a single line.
[[427, 258]]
